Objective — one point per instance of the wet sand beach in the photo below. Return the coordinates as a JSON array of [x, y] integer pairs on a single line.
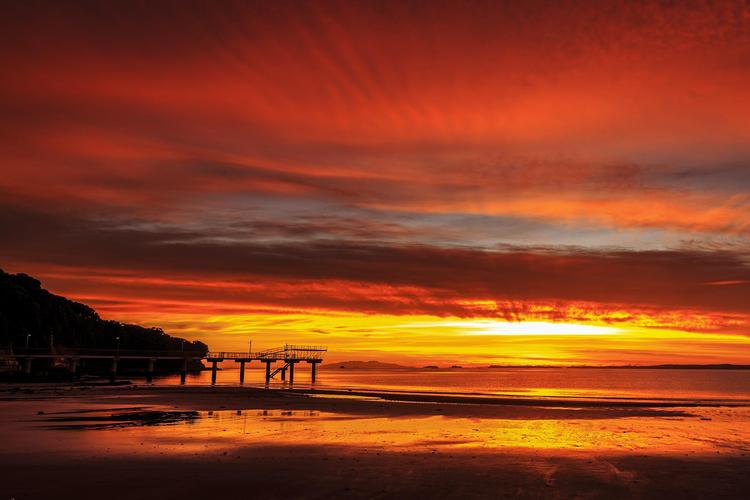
[[190, 442]]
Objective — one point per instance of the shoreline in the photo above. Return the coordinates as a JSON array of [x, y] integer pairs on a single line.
[[344, 399]]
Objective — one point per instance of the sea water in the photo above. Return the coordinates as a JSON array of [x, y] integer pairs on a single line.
[[531, 382]]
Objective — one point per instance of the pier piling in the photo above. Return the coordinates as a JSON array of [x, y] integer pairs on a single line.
[[288, 355], [113, 369], [150, 372], [73, 368]]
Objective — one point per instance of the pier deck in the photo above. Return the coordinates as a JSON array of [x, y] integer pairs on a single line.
[[288, 354]]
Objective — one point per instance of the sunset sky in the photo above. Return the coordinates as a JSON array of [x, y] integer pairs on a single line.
[[525, 182]]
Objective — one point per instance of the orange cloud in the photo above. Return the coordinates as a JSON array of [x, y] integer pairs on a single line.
[[497, 160]]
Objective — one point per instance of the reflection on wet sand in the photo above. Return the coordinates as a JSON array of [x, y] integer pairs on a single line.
[[715, 430], [106, 419], [680, 430], [367, 446]]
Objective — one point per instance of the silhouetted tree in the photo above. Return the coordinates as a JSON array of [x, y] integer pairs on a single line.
[[27, 308]]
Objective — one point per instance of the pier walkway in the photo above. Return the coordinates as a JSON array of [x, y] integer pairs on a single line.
[[287, 355]]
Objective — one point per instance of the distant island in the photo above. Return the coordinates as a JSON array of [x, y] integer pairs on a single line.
[[31, 316], [720, 366], [369, 365], [377, 365]]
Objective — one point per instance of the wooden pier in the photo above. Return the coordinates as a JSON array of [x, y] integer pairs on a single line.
[[287, 355]]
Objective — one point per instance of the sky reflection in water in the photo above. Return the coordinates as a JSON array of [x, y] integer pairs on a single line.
[[710, 430]]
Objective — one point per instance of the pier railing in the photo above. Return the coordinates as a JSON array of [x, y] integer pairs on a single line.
[[67, 352], [289, 355], [284, 353]]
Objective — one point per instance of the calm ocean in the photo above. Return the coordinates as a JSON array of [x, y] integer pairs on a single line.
[[532, 382]]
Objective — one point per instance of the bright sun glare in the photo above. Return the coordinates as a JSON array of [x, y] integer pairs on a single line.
[[530, 328]]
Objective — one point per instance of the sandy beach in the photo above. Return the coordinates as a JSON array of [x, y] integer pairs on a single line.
[[190, 442]]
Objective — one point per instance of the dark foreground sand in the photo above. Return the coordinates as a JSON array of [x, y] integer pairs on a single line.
[[250, 443]]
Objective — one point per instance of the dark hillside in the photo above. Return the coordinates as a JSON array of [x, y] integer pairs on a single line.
[[27, 308]]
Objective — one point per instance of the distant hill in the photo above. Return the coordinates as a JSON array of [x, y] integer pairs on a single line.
[[369, 365], [722, 366], [27, 308]]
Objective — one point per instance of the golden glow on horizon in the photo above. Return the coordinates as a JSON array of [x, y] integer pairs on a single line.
[[530, 328], [498, 182], [422, 339], [538, 333]]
